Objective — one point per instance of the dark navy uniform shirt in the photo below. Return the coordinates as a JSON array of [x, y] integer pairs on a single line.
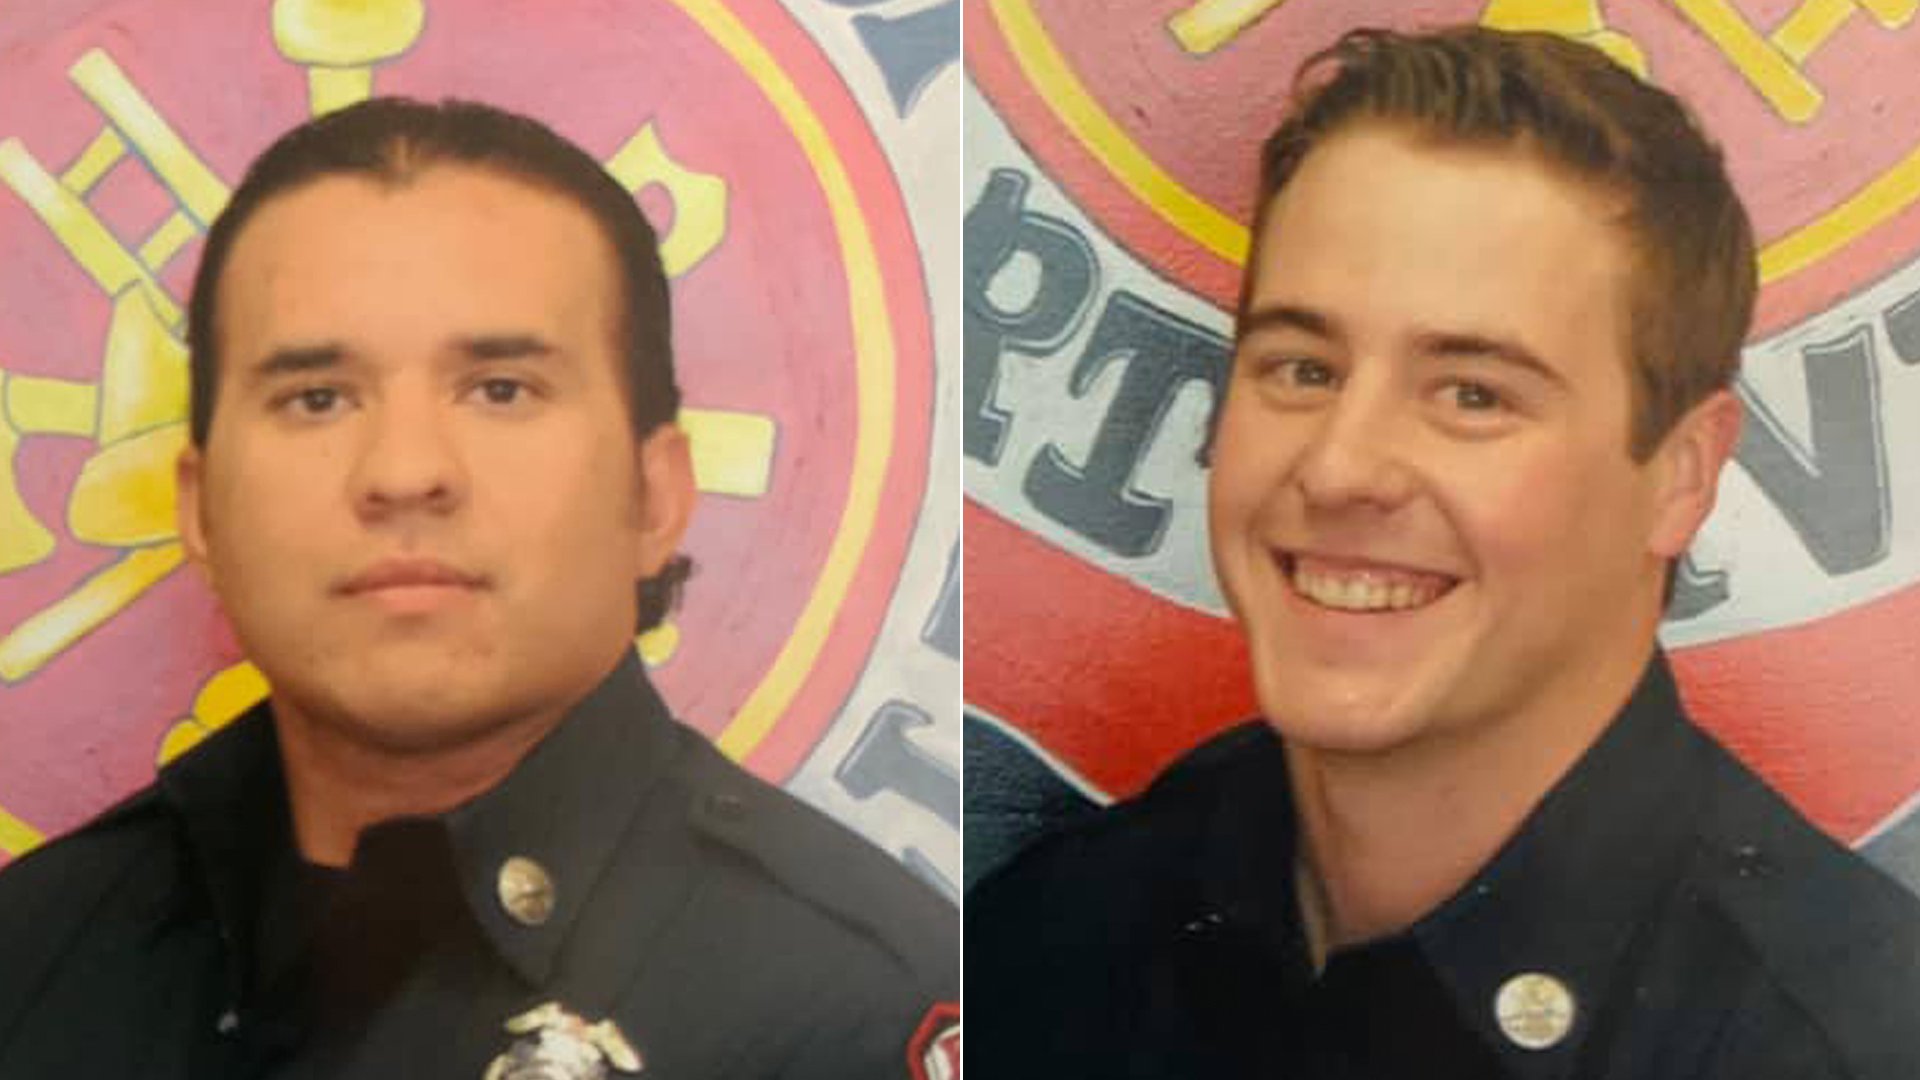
[[1660, 914], [726, 929]]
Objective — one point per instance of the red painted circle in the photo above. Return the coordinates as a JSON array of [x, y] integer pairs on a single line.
[[1200, 119], [765, 324]]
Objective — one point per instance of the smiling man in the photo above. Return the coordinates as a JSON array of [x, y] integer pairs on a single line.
[[436, 482], [1479, 404]]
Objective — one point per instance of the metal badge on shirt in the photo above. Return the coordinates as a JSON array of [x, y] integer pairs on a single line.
[[563, 1046]]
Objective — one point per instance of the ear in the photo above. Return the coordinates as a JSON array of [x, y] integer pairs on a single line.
[[666, 496], [1689, 461], [188, 478]]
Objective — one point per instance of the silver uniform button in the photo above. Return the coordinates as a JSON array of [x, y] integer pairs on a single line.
[[526, 891], [1535, 1011]]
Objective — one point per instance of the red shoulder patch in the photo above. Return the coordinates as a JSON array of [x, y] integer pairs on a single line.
[[934, 1051]]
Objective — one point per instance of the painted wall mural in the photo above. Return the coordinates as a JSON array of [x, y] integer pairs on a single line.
[[1109, 173], [801, 163]]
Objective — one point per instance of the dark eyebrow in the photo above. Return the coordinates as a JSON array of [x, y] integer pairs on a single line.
[[294, 359], [1288, 317], [1468, 346], [1444, 344], [504, 347]]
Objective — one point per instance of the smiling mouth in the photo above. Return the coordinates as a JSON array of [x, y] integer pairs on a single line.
[[1371, 587]]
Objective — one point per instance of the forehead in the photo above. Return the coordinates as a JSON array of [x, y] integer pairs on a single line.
[[447, 249], [1388, 225]]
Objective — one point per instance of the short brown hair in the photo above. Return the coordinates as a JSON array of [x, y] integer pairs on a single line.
[[1691, 300]]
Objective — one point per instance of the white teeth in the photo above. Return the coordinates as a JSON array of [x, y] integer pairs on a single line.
[[1362, 592]]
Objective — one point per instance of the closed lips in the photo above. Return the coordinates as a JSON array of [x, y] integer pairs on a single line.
[[405, 573]]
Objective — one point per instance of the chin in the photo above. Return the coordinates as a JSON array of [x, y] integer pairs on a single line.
[[1347, 712], [420, 720], [401, 708], [1332, 729]]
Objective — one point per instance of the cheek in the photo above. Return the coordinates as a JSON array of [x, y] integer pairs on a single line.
[[1236, 496], [567, 494], [1550, 513], [1251, 460], [271, 501]]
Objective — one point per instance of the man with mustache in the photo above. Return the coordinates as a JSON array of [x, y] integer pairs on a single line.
[[436, 482], [1479, 405]]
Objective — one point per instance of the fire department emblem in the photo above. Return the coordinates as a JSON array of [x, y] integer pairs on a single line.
[[934, 1051], [1111, 164], [1129, 111], [562, 1046], [801, 333]]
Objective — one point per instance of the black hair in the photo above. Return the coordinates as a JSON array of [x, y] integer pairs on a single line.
[[391, 141]]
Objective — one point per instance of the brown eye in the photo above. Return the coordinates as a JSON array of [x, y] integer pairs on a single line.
[[501, 391], [314, 402], [1475, 397], [1296, 373], [1308, 373], [319, 399]]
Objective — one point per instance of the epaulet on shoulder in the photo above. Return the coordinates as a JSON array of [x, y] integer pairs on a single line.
[[1229, 749], [49, 886], [136, 808], [827, 866], [1836, 935], [140, 808], [1185, 787]]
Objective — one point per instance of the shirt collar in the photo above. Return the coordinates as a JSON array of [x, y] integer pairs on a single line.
[[1249, 848], [229, 796], [1563, 897], [565, 807], [1567, 894]]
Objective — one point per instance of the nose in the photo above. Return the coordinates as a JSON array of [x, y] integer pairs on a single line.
[[1357, 453], [407, 460]]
